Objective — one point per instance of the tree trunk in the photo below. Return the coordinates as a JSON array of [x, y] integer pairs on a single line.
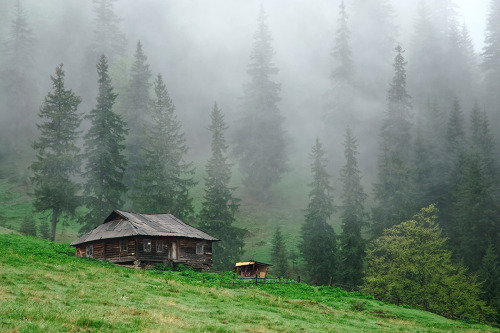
[[55, 213]]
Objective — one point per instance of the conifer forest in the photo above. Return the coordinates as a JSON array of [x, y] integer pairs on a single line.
[[351, 142]]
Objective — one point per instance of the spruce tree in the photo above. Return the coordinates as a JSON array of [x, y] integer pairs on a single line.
[[279, 256], [165, 180], [318, 245], [138, 101], [28, 226], [260, 143], [353, 217], [107, 39], [219, 207], [18, 84], [489, 274], [58, 158], [104, 144], [393, 189]]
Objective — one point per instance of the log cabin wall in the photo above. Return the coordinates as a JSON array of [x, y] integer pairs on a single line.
[[193, 252]]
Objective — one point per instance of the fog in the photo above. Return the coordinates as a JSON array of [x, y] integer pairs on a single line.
[[202, 50]]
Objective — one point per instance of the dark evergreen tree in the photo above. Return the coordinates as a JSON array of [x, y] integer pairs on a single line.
[[219, 207], [28, 226], [482, 141], [489, 274], [136, 112], [18, 85], [260, 143], [58, 158], [490, 63], [279, 256], [319, 245], [342, 54], [108, 39], [352, 245], [393, 189], [164, 183], [104, 189]]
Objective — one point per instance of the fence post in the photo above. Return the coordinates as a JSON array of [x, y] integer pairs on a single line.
[[255, 278], [298, 278], [233, 279], [330, 282], [203, 280], [265, 275], [221, 277]]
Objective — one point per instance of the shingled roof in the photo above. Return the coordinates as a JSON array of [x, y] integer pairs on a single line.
[[123, 224]]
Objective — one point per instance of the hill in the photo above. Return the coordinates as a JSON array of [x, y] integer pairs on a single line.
[[44, 288]]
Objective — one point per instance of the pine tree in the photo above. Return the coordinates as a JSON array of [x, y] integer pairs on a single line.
[[104, 170], [18, 85], [394, 192], [490, 64], [136, 111], [164, 183], [489, 274], [344, 71], [352, 245], [28, 226], [260, 143], [279, 256], [108, 39], [58, 157], [482, 141], [219, 207], [318, 246]]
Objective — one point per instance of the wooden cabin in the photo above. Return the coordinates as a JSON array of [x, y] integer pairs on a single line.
[[251, 268], [143, 239]]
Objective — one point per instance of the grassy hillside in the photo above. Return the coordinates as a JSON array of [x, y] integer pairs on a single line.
[[43, 288]]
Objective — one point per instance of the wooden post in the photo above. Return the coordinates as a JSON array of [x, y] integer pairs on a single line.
[[398, 300], [221, 277], [203, 280], [265, 275], [330, 282], [298, 278], [255, 278], [233, 279]]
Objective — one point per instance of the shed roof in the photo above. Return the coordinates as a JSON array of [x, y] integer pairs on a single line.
[[251, 262], [124, 224]]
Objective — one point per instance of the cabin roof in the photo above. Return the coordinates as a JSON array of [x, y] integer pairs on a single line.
[[251, 262], [124, 224]]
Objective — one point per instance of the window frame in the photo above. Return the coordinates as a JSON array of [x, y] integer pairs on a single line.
[[123, 246], [159, 246], [89, 251], [200, 248], [148, 247]]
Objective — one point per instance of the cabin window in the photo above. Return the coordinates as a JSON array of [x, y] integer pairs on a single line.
[[147, 245], [199, 248], [89, 251], [159, 246], [123, 245]]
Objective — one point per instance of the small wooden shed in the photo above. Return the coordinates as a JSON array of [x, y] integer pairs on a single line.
[[143, 239], [251, 268]]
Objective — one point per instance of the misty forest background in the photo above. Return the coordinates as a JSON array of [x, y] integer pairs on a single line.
[[294, 134]]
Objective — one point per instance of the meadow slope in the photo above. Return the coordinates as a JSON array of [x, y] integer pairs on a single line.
[[44, 288]]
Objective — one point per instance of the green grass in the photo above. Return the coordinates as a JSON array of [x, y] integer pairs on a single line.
[[43, 288]]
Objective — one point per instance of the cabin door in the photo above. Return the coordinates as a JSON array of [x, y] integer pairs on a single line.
[[173, 253]]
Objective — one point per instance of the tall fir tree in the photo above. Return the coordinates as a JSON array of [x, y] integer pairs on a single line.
[[319, 244], [393, 189], [489, 274], [165, 180], [58, 158], [138, 101], [352, 244], [107, 39], [490, 63], [18, 84], [219, 207], [104, 144], [279, 254], [260, 143]]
